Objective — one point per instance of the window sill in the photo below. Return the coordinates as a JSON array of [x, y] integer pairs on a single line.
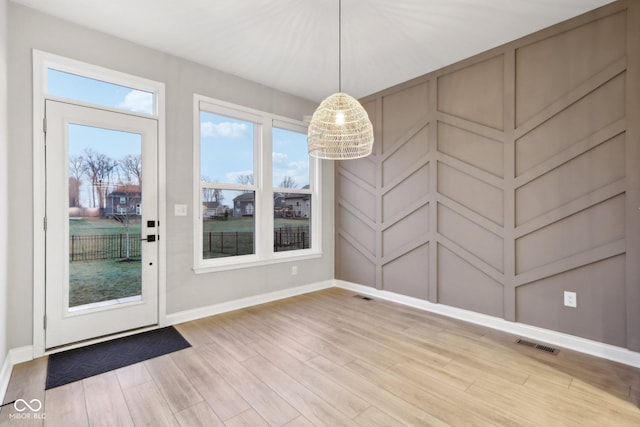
[[231, 264]]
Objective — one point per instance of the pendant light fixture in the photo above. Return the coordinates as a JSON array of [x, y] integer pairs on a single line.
[[340, 128]]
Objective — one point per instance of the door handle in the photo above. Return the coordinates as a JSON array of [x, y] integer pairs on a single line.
[[150, 238]]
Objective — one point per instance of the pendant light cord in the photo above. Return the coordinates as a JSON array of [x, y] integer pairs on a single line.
[[339, 45]]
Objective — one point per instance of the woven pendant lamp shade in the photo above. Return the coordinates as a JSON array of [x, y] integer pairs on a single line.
[[340, 129]]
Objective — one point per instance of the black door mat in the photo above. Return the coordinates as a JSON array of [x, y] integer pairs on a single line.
[[77, 364]]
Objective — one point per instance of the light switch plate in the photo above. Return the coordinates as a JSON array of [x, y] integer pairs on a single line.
[[180, 210]]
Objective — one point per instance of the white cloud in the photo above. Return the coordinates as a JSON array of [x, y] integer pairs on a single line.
[[299, 171], [224, 129], [280, 159], [139, 101]]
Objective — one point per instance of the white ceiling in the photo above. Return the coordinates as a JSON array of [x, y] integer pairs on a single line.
[[292, 45]]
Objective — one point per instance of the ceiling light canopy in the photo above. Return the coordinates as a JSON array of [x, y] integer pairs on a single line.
[[340, 128]]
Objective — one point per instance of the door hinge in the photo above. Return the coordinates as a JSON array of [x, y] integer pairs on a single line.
[[44, 125], [45, 321], [44, 223]]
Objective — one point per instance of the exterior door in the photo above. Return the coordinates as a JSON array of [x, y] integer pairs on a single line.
[[101, 222]]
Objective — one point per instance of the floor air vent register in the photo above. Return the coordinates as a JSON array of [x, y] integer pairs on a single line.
[[544, 348]]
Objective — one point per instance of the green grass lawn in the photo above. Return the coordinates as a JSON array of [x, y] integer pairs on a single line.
[[101, 226], [246, 223], [103, 280]]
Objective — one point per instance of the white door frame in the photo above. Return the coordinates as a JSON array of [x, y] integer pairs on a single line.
[[41, 62]]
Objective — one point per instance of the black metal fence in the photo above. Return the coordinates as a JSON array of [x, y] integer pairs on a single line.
[[214, 244], [290, 238], [113, 246], [228, 243], [225, 243]]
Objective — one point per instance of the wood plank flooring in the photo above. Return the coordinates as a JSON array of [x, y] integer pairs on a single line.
[[328, 359]]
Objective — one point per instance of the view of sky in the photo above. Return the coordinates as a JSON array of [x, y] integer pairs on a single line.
[[93, 91], [234, 138]]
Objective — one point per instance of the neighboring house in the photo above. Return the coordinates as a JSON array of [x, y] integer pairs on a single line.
[[214, 209], [299, 205], [244, 204], [125, 199], [280, 207]]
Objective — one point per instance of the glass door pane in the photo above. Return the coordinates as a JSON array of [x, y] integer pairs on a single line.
[[105, 207]]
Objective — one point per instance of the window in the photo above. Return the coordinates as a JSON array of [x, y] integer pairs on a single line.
[[257, 188], [227, 184], [95, 91], [291, 190]]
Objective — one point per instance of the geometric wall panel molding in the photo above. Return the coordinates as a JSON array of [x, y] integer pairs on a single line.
[[354, 266], [600, 289], [371, 108], [408, 274], [364, 170], [548, 69], [464, 286], [361, 200], [411, 228], [476, 150], [415, 148], [357, 230], [601, 224], [414, 104], [583, 175], [475, 93], [414, 187], [603, 106], [500, 181], [469, 235], [472, 193]]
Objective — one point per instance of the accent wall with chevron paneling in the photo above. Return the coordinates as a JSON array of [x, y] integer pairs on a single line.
[[500, 182]]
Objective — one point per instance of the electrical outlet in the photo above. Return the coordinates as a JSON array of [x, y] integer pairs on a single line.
[[294, 270], [570, 299]]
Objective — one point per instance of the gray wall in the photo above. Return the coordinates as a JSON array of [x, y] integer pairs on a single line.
[[185, 290], [501, 181], [3, 182]]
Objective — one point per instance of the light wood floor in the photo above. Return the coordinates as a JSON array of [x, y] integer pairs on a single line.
[[328, 358]]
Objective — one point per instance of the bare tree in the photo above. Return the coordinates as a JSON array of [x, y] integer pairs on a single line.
[[99, 170], [74, 192], [288, 182], [245, 179], [77, 169], [131, 167], [211, 194]]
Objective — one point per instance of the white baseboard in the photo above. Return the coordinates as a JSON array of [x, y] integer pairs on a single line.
[[594, 348], [5, 376], [13, 357], [211, 310]]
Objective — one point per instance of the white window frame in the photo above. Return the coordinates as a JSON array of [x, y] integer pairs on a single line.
[[264, 190]]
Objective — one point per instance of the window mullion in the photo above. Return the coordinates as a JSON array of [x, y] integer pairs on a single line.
[[266, 217]]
